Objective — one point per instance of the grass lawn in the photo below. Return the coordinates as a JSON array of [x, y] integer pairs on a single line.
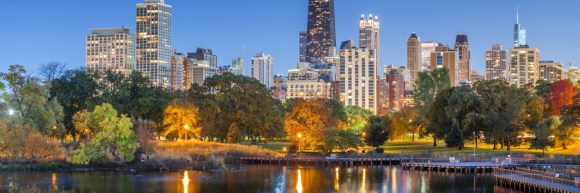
[[423, 145]]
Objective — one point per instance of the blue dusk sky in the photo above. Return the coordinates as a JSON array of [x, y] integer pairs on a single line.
[[36, 32]]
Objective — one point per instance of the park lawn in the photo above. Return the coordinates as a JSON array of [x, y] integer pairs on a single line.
[[277, 145]]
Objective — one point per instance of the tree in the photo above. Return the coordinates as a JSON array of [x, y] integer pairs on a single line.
[[310, 123], [356, 117], [181, 118], [342, 140], [561, 94], [51, 71], [404, 121], [427, 87], [542, 133], [439, 123], [113, 139], [462, 103], [542, 88], [377, 131], [570, 127]]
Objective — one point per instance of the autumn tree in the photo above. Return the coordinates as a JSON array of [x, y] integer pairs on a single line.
[[309, 123], [182, 118], [561, 94], [112, 141]]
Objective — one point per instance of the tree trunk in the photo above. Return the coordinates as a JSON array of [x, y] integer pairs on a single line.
[[475, 142], [508, 144], [494, 144], [413, 137], [434, 140], [564, 146]]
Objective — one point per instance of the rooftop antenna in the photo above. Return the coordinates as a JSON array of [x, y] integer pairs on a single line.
[[518, 14]]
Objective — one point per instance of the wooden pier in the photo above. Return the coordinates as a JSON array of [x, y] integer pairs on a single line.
[[463, 167], [323, 161], [533, 181]]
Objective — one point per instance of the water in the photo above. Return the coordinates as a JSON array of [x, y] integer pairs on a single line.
[[261, 179]]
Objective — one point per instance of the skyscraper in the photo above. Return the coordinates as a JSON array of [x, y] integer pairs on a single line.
[[303, 40], [413, 56], [519, 32], [321, 38], [358, 78], [524, 66], [551, 71], [154, 49], [396, 86], [196, 71], [426, 49], [110, 49], [205, 55], [464, 57], [263, 69], [496, 63], [443, 57], [239, 66], [177, 71], [369, 35]]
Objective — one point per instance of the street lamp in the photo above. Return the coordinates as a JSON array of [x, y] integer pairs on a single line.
[[11, 112], [186, 129], [299, 139]]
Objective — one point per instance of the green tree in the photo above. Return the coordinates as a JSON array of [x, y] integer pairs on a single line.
[[377, 131], [439, 122], [427, 87], [462, 103], [342, 140], [542, 88], [356, 117], [404, 121], [542, 133], [570, 122], [113, 139]]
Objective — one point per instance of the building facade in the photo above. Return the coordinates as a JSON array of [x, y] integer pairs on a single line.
[[358, 78], [369, 35], [110, 49], [524, 66], [263, 69], [280, 88], [464, 58], [153, 43], [204, 54], [177, 71], [426, 49], [496, 63], [239, 66], [321, 34], [573, 73], [396, 87], [196, 71], [443, 57], [551, 71], [519, 32], [413, 56], [306, 82], [303, 40]]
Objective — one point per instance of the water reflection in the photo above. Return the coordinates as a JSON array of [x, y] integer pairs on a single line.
[[260, 179]]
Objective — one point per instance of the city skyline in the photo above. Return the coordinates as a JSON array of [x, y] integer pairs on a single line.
[[67, 46]]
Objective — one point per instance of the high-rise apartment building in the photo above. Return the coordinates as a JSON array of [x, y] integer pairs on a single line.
[[524, 66], [413, 56], [496, 63], [551, 71], [369, 35], [358, 78], [306, 82], [196, 71], [464, 58], [204, 55], [476, 77], [263, 69], [573, 73], [110, 49], [426, 49], [443, 57], [154, 49], [396, 86], [239, 66], [321, 37], [519, 32], [177, 71], [303, 41]]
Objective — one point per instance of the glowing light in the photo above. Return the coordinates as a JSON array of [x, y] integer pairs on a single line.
[[54, 181], [299, 187], [185, 182], [364, 181], [336, 182], [10, 112]]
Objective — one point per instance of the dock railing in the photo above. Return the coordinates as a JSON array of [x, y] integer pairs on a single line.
[[523, 174]]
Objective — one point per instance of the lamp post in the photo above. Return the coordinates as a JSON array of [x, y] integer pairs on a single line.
[[186, 129], [299, 139]]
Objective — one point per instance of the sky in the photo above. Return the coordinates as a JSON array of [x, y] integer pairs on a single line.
[[36, 32]]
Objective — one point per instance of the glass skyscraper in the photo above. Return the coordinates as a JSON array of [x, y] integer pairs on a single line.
[[321, 38], [154, 41], [519, 32]]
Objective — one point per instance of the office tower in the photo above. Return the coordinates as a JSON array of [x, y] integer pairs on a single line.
[[426, 49], [177, 71], [443, 57], [110, 49], [154, 49], [413, 56], [263, 69], [551, 71], [205, 55], [395, 85], [524, 66], [496, 63], [321, 35], [519, 32], [239, 66], [279, 89], [196, 71], [358, 78], [369, 35], [464, 57], [303, 40], [383, 97], [306, 82]]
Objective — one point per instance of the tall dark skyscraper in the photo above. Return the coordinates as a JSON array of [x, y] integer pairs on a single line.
[[321, 38], [462, 47]]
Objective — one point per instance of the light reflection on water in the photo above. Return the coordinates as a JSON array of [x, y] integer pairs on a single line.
[[291, 179]]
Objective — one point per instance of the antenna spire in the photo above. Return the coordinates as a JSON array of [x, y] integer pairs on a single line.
[[517, 14]]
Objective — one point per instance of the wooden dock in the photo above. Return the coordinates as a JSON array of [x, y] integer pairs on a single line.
[[323, 161], [533, 181], [462, 167]]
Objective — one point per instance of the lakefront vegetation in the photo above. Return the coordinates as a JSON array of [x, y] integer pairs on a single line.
[[82, 118]]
